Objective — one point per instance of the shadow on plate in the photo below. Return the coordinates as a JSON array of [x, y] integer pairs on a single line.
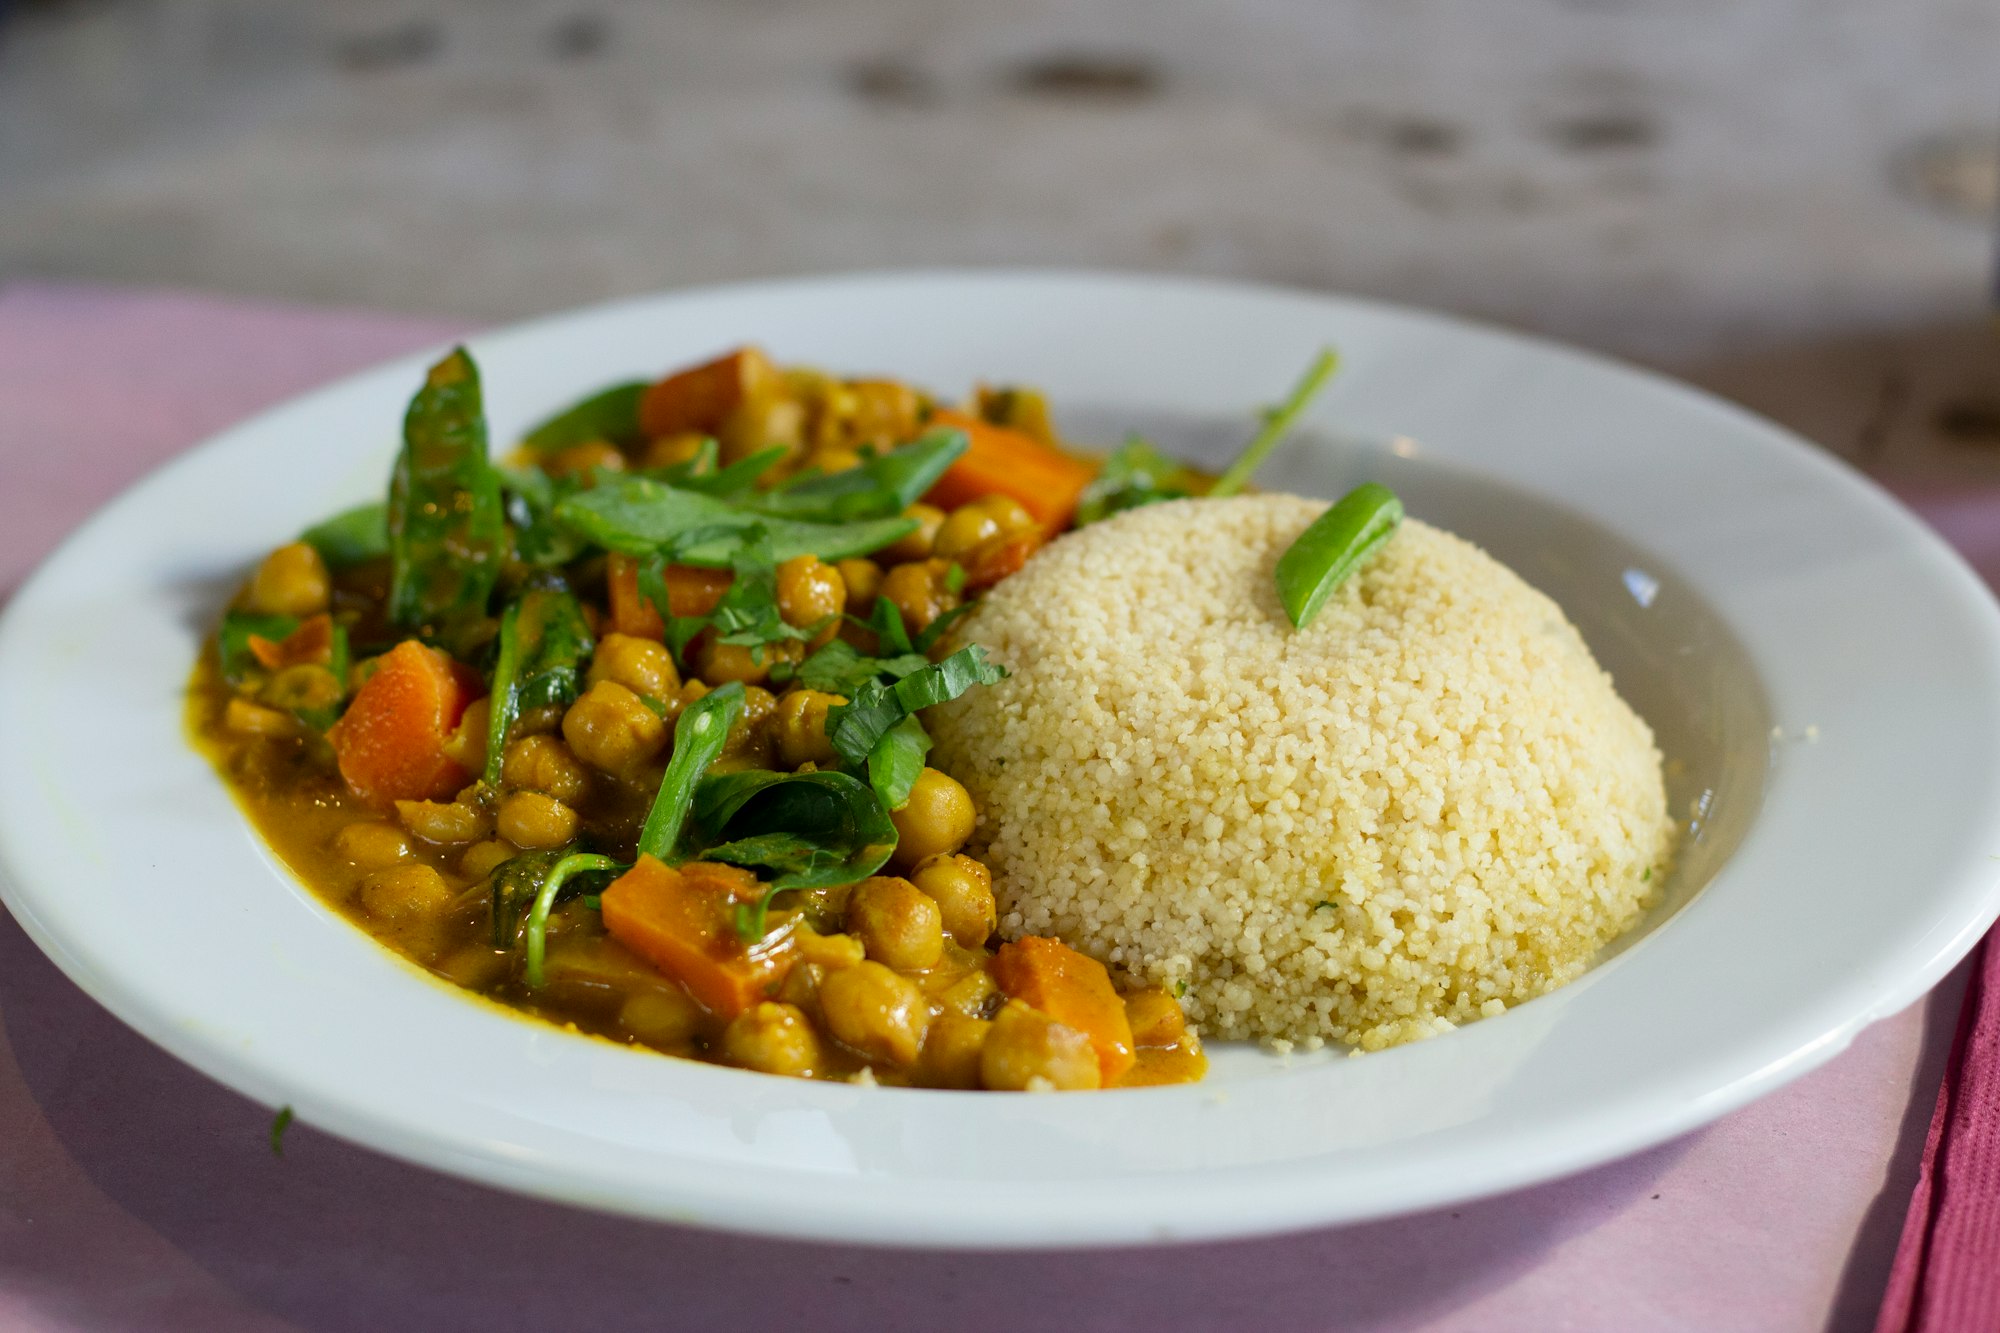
[[335, 1239]]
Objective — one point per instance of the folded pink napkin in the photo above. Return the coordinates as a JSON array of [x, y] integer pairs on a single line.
[[1946, 1276]]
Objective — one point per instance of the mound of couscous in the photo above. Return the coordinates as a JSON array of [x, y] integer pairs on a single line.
[[1427, 806]]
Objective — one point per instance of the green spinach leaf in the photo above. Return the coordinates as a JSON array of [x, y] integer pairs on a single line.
[[856, 726], [610, 414], [544, 644], [638, 516], [897, 760], [351, 537], [1136, 474], [881, 487]]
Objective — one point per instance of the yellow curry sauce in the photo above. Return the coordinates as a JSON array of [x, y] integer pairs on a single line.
[[894, 975]]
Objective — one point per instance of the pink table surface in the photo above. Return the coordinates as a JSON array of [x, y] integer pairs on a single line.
[[136, 1194]]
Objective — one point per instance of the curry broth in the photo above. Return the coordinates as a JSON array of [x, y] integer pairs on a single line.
[[289, 791]]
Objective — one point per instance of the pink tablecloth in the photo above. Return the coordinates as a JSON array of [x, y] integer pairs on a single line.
[[135, 1194]]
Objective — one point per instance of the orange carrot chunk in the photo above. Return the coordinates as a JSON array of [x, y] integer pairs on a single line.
[[632, 612], [311, 644], [390, 743], [1002, 461], [702, 398], [682, 921], [1074, 990], [692, 590]]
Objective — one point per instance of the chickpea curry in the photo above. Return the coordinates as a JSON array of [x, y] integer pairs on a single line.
[[626, 733]]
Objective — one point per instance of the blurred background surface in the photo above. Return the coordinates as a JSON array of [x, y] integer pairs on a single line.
[[1752, 192]]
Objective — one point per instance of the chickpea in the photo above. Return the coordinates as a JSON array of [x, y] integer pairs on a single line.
[[610, 728], [748, 744], [674, 450], [303, 686], [1027, 1051], [248, 719], [863, 579], [935, 821], [466, 746], [544, 764], [405, 893], [718, 663], [663, 1018], [830, 458], [881, 411], [809, 591], [825, 951], [798, 728], [877, 1012], [292, 581], [920, 592], [963, 889], [917, 545], [760, 421], [531, 820], [582, 459], [898, 925], [642, 666], [952, 1050], [474, 966], [975, 994], [1155, 1016], [482, 858], [541, 720], [372, 846], [1012, 516], [968, 526], [445, 821], [801, 987], [772, 1038]]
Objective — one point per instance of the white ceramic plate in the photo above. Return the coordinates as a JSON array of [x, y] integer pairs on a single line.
[[1733, 579]]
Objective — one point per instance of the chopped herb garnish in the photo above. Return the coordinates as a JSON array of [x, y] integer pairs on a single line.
[[1135, 474], [280, 1122], [610, 414], [855, 726]]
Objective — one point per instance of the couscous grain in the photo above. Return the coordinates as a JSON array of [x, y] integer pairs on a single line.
[[1427, 806]]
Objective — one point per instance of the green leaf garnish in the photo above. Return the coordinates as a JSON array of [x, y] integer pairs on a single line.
[[609, 414], [1135, 474], [699, 735], [351, 537], [817, 830], [881, 487], [545, 643], [639, 516], [280, 1122], [856, 726]]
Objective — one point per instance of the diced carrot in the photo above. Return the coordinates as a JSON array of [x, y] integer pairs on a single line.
[[390, 743], [1002, 461], [702, 398], [632, 612], [692, 590], [681, 920], [1072, 988], [311, 644]]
